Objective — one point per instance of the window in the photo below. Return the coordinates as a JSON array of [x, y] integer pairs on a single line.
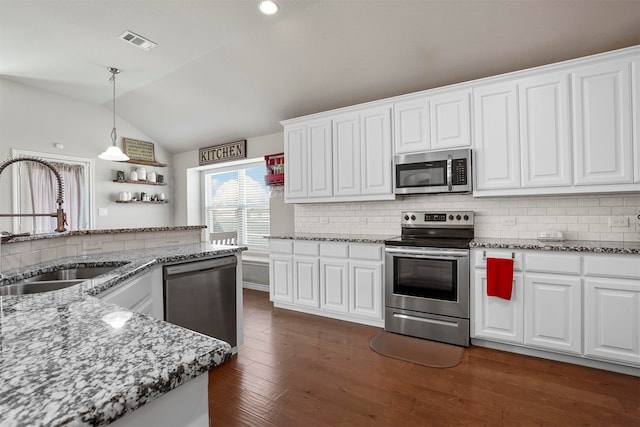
[[238, 200], [35, 191]]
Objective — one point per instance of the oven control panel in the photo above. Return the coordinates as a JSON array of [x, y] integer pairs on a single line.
[[437, 219]]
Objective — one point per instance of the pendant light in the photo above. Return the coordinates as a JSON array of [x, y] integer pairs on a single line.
[[114, 153]]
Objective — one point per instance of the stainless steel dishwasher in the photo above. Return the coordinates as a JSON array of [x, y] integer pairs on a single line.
[[201, 296]]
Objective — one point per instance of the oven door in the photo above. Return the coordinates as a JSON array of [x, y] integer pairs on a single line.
[[428, 280]]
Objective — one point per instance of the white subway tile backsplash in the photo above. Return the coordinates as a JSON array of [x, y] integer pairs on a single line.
[[578, 217], [601, 210]]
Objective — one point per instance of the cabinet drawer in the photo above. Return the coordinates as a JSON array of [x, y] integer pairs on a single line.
[[366, 252], [306, 248], [482, 255], [627, 266], [553, 263], [281, 246], [334, 250]]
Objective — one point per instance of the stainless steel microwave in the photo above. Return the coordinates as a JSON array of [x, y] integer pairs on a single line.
[[447, 171]]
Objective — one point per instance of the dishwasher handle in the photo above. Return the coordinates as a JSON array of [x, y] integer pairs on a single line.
[[209, 264]]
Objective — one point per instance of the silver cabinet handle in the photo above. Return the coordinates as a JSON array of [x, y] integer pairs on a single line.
[[449, 173]]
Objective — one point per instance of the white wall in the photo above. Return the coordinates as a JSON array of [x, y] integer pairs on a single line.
[[31, 119], [187, 176], [583, 217]]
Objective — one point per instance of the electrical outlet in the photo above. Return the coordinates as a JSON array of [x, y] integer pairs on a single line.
[[103, 212], [362, 220], [618, 221], [324, 220], [508, 220]]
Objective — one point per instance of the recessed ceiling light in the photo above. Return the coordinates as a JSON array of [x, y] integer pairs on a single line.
[[137, 40], [268, 7]]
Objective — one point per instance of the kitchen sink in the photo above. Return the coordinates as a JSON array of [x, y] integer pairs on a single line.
[[36, 287], [54, 280], [77, 274]]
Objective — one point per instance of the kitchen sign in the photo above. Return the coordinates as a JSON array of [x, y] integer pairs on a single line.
[[222, 152]]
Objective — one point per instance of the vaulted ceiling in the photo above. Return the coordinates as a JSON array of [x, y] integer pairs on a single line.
[[222, 71]]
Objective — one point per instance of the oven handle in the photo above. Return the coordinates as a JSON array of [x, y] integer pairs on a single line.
[[425, 320], [428, 252]]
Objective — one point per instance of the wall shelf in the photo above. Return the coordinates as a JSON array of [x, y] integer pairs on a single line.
[[140, 181], [151, 202], [146, 163]]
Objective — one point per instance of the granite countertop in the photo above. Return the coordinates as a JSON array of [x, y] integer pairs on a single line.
[[562, 246], [61, 364], [102, 231], [329, 237], [565, 245]]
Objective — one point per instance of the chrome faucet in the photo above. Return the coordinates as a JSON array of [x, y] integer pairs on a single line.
[[59, 213]]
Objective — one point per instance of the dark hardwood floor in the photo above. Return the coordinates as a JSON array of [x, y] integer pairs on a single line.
[[301, 370]]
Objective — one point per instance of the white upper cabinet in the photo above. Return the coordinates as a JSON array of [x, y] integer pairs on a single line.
[[544, 130], [432, 122], [450, 120], [566, 128], [308, 168], [412, 131], [341, 157], [295, 147], [560, 129], [320, 159], [497, 153], [376, 157], [346, 155], [602, 123]]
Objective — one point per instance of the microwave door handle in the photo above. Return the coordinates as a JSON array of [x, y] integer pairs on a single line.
[[449, 174]]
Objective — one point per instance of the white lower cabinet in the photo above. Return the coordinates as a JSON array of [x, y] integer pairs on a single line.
[[366, 289], [498, 318], [553, 312], [333, 279], [281, 270], [141, 294], [334, 285], [581, 305], [305, 281], [612, 319]]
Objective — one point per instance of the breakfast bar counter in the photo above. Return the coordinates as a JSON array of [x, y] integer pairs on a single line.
[[62, 363]]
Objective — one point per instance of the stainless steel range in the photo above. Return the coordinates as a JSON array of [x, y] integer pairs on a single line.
[[427, 277]]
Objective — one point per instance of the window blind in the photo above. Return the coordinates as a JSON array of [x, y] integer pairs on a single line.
[[239, 201]]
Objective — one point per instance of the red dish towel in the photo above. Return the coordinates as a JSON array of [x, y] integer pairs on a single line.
[[499, 277]]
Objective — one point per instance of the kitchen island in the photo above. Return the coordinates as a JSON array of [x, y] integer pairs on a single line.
[[61, 363]]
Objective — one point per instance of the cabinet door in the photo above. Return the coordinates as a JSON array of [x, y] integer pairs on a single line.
[[411, 126], [334, 285], [320, 159], [497, 153], [305, 281], [377, 162], [602, 123], [450, 120], [134, 294], [281, 278], [346, 155], [295, 150], [365, 291], [635, 115], [544, 130], [612, 320], [496, 318], [553, 312]]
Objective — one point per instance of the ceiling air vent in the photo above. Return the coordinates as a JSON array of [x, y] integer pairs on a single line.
[[137, 40]]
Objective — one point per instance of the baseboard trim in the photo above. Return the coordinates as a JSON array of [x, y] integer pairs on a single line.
[[576, 360], [255, 286]]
